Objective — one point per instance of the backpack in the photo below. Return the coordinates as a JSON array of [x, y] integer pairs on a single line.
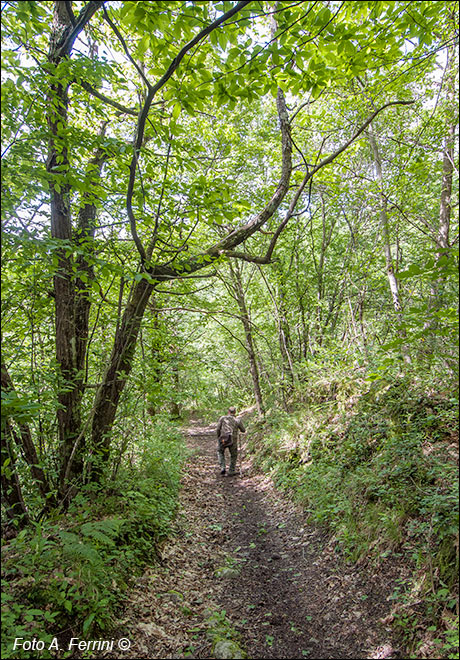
[[226, 432]]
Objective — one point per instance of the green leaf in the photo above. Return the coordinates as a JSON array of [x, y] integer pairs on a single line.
[[176, 110], [87, 623], [323, 17]]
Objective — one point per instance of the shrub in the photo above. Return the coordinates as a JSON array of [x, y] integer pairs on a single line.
[[70, 572], [375, 468]]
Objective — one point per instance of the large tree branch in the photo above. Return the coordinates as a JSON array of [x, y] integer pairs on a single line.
[[152, 90], [362, 128], [267, 258], [199, 37], [242, 233], [234, 254], [238, 236], [125, 48], [94, 92], [64, 45]]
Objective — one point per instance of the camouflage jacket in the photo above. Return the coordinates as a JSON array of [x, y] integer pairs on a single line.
[[230, 421]]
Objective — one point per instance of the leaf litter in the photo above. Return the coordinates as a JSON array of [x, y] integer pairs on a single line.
[[245, 556]]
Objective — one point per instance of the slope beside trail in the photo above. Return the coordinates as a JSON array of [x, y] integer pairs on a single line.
[[244, 562]]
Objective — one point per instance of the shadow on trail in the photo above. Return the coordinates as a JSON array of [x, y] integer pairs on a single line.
[[285, 590]]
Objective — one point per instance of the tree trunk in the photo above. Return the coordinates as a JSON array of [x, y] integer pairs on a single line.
[[25, 441], [15, 508], [253, 366], [174, 405], [72, 280], [304, 340], [445, 209], [284, 340], [320, 267], [284, 336], [393, 282], [155, 359], [83, 239], [116, 376], [69, 389]]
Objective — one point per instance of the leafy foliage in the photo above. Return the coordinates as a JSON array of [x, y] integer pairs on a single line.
[[197, 209], [73, 570], [377, 466]]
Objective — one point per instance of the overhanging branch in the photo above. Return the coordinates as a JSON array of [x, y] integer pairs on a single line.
[[94, 92], [267, 258], [238, 236], [362, 128], [152, 90]]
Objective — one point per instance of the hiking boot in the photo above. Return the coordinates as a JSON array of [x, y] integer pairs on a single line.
[[223, 472], [232, 473]]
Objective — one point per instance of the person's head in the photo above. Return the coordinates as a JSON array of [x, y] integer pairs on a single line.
[[232, 410]]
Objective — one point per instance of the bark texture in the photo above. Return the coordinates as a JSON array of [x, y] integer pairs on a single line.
[[116, 376], [250, 345]]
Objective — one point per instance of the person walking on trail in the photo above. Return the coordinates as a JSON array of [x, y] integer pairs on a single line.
[[228, 428]]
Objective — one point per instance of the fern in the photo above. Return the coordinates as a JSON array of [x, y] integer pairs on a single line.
[[74, 548], [104, 531]]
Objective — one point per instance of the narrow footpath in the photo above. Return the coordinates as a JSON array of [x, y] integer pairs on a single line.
[[245, 565]]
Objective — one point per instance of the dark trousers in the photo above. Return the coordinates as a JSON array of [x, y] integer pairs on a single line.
[[233, 450]]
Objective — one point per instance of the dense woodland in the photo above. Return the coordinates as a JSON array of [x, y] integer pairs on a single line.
[[213, 203]]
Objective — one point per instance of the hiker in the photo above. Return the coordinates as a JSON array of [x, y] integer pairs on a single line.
[[227, 437]]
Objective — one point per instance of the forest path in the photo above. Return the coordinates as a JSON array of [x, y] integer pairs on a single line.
[[242, 547]]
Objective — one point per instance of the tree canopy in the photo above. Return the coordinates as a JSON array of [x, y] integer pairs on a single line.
[[207, 203], [291, 151]]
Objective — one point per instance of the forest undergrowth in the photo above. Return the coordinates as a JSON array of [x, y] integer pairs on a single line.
[[67, 576], [373, 463], [376, 464]]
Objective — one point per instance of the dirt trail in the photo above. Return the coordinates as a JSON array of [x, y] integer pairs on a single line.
[[242, 548]]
